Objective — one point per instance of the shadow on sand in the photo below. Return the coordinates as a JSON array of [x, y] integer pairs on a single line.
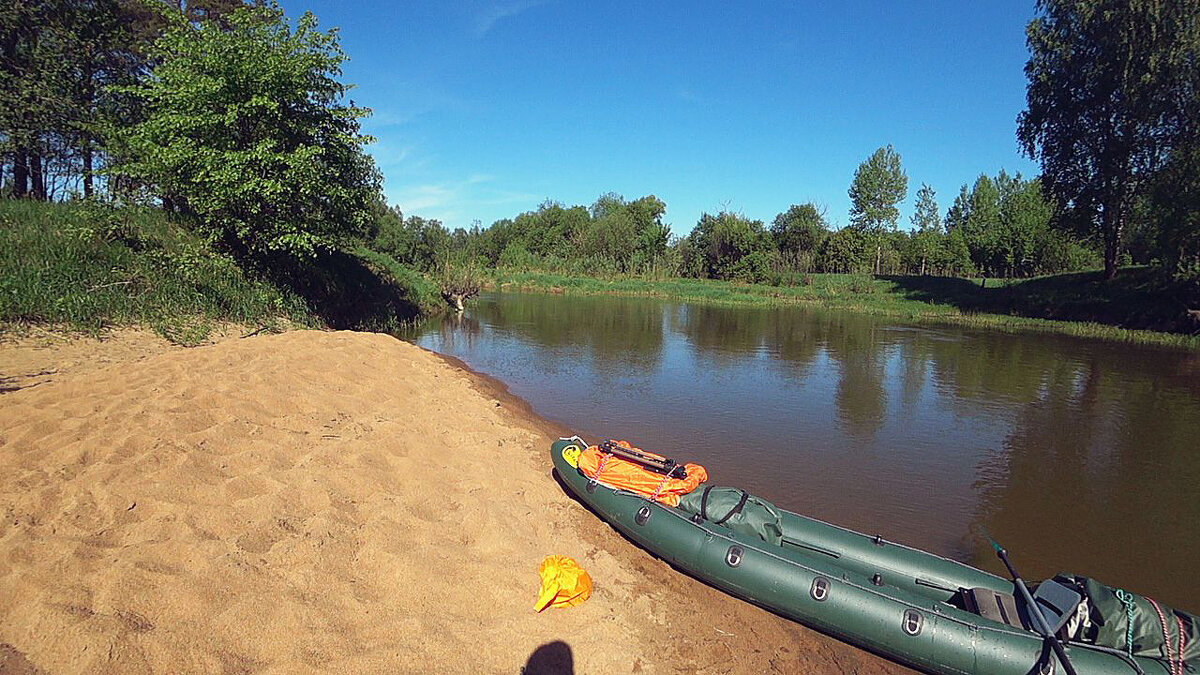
[[552, 658]]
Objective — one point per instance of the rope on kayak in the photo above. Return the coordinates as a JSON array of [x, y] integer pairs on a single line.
[[662, 484], [1126, 599], [1176, 666], [604, 457]]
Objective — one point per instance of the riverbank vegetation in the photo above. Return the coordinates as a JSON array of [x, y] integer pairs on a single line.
[[997, 250], [1113, 116], [1079, 304], [208, 168], [87, 266], [214, 144]]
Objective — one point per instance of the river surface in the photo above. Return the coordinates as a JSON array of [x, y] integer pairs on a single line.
[[1077, 455]]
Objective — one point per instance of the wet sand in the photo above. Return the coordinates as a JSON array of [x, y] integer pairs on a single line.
[[321, 502]]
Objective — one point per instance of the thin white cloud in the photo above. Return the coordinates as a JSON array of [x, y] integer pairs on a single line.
[[455, 203], [487, 18], [416, 199], [392, 155]]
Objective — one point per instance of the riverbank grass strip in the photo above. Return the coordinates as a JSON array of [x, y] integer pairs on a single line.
[[928, 300]]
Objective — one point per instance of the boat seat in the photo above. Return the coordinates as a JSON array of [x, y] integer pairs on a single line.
[[999, 607]]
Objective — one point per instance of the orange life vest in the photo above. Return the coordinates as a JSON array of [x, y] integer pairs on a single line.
[[622, 473]]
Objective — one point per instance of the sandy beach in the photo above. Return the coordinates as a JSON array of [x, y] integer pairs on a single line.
[[321, 502]]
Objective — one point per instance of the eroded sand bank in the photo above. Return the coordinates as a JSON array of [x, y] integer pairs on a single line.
[[321, 502]]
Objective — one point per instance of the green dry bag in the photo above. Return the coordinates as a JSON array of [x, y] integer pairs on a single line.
[[1109, 614], [736, 509]]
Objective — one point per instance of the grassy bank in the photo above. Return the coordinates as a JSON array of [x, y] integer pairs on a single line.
[[1073, 304], [86, 267]]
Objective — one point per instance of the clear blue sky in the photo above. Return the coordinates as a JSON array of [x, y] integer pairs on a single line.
[[485, 109]]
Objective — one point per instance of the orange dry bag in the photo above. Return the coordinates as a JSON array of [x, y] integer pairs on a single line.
[[605, 467]]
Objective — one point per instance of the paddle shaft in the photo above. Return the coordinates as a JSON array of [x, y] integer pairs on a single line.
[[660, 465], [1036, 614]]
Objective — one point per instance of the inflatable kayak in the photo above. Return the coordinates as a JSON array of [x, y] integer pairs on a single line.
[[920, 609]]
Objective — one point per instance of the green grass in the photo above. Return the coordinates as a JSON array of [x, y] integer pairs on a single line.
[[87, 267], [1075, 304]]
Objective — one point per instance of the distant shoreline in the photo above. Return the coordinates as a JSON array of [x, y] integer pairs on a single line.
[[854, 293]]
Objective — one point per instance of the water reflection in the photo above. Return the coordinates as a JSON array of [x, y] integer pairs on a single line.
[[1098, 475], [1077, 455]]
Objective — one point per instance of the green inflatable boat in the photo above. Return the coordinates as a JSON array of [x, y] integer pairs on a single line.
[[920, 609]]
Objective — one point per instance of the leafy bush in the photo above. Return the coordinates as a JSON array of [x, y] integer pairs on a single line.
[[243, 128], [756, 267]]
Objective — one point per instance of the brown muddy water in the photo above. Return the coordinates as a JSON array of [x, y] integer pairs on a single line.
[[1077, 455]]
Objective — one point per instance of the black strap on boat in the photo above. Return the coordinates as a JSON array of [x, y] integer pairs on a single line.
[[668, 467], [732, 512]]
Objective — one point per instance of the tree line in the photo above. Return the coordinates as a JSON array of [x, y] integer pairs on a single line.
[[1112, 116], [234, 117], [1001, 226]]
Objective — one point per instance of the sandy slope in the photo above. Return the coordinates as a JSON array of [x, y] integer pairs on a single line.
[[321, 502]]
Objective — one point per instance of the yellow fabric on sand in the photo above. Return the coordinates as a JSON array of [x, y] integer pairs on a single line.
[[564, 583]]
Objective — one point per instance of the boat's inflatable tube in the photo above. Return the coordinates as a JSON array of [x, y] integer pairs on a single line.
[[906, 604]]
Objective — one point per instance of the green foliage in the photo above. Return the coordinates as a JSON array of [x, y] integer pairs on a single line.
[[88, 266], [50, 55], [516, 257], [926, 216], [612, 237], [954, 256], [879, 185], [847, 251], [1112, 92], [244, 128], [927, 237], [721, 241], [423, 244], [756, 267], [1175, 211], [1005, 224], [798, 234], [63, 63]]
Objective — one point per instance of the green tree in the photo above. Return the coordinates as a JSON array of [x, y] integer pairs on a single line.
[[879, 185], [245, 127], [653, 236], [1111, 86], [1175, 205], [955, 256], [927, 228], [798, 233], [62, 63], [846, 251], [721, 241], [959, 211], [1005, 224], [1025, 215], [982, 227], [631, 234], [36, 111]]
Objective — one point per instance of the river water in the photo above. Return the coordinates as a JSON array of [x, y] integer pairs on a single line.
[[1077, 455]]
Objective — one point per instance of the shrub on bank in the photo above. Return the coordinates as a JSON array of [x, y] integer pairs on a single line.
[[88, 266]]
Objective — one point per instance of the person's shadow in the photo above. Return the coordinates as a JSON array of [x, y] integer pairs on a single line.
[[552, 658]]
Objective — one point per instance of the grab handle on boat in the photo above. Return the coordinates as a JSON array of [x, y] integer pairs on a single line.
[[1035, 612]]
